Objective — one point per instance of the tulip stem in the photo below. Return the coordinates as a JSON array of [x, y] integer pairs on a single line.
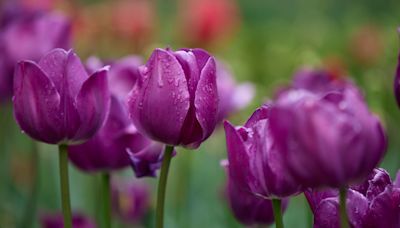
[[277, 208], [344, 220], [30, 209], [64, 181], [162, 185], [105, 179]]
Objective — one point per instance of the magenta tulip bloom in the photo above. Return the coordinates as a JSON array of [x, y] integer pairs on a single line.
[[232, 96], [56, 221], [249, 209], [118, 144], [26, 35], [373, 203], [327, 135], [255, 163], [130, 200], [178, 91], [57, 102]]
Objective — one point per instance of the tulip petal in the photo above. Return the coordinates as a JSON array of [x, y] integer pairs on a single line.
[[160, 101], [36, 103], [384, 210], [206, 99], [260, 114], [239, 166], [93, 103], [148, 160]]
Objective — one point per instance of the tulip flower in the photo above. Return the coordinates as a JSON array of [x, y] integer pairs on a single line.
[[326, 133], [57, 102], [130, 200], [344, 140], [232, 96], [28, 35], [56, 221], [373, 203], [177, 90], [118, 143], [175, 101], [256, 165], [249, 209]]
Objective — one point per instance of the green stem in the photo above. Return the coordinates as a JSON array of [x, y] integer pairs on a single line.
[[30, 210], [344, 220], [162, 185], [105, 182], [64, 181], [277, 208]]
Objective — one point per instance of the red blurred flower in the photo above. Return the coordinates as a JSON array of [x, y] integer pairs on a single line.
[[208, 21], [134, 19]]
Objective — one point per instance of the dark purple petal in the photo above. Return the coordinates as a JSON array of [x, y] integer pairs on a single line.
[[238, 156], [206, 100], [160, 98], [37, 104], [106, 151], [396, 182], [315, 197], [384, 210], [93, 102], [147, 161]]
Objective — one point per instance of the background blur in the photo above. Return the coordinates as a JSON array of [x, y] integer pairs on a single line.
[[264, 42]]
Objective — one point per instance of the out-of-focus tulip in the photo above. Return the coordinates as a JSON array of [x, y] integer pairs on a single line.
[[118, 144], [373, 203], [134, 19], [248, 208], [31, 38], [178, 91], [232, 96], [28, 35], [208, 21], [56, 221], [255, 163], [326, 132], [130, 200], [366, 45], [55, 101]]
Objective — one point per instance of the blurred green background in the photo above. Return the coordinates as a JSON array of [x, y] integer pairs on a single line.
[[271, 40]]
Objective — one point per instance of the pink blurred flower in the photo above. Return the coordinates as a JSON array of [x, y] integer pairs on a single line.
[[208, 21]]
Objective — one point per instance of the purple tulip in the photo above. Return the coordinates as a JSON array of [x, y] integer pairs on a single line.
[[327, 134], [130, 200], [249, 209], [118, 143], [26, 35], [232, 97], [55, 101], [255, 163], [56, 221], [175, 101], [373, 203]]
